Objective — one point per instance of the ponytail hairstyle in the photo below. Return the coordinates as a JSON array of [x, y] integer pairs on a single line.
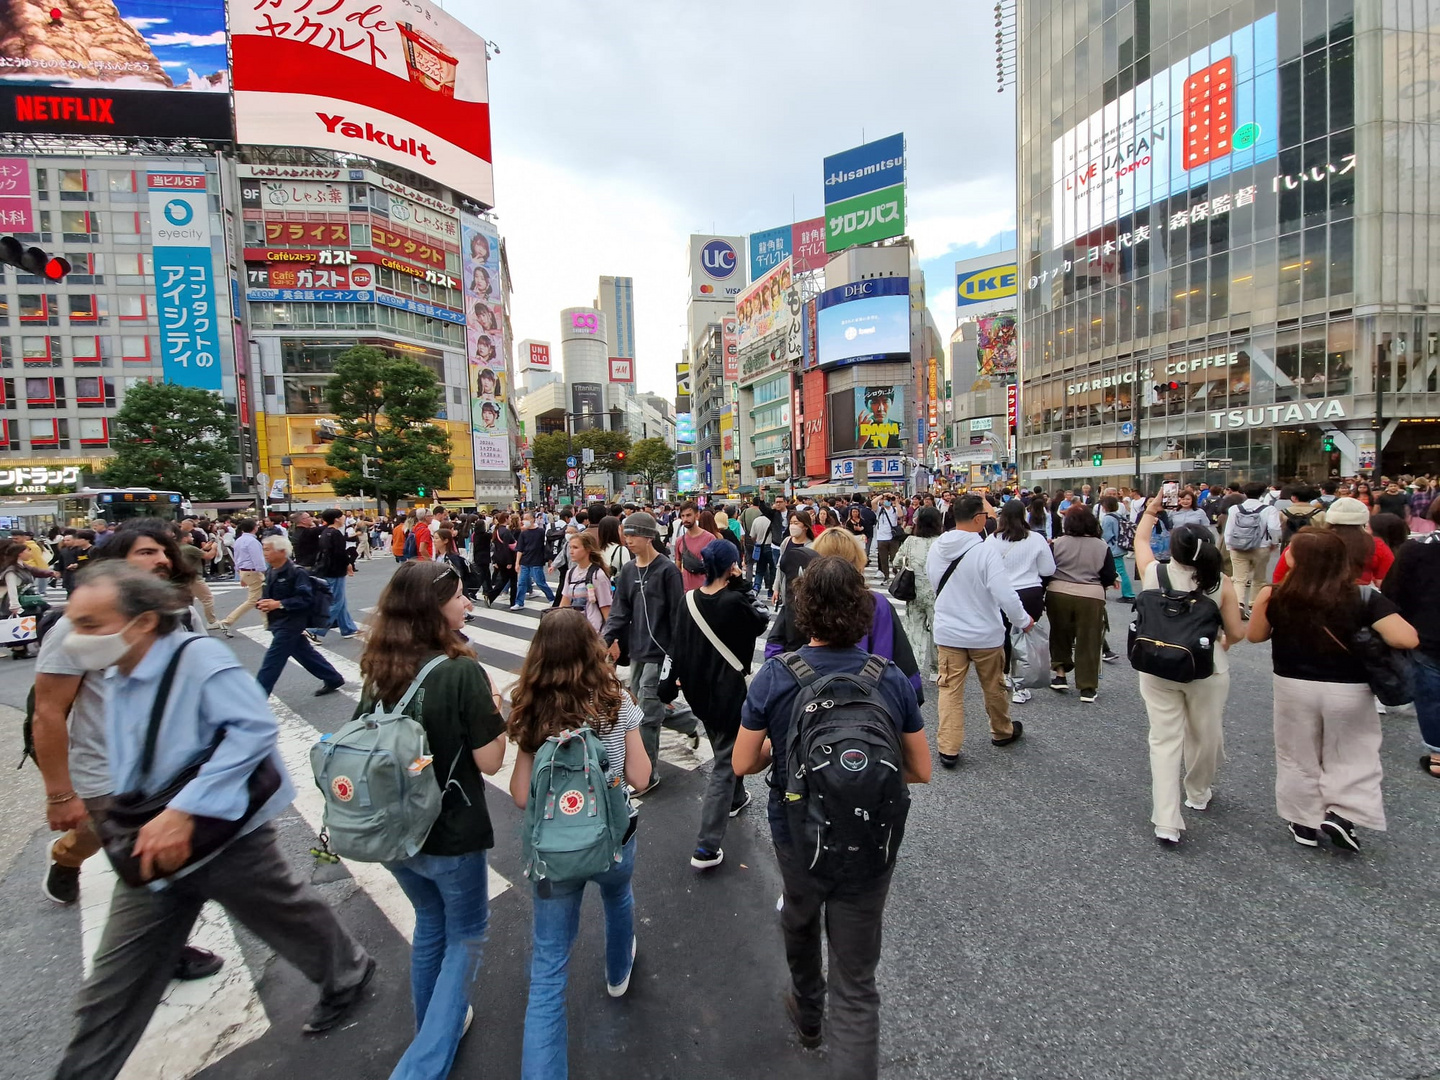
[[1193, 546]]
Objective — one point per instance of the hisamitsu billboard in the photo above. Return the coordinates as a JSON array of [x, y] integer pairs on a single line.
[[876, 165], [986, 284]]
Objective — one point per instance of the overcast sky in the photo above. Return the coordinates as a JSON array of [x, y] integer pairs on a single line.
[[621, 128]]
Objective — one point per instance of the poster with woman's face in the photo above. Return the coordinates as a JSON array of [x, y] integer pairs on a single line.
[[484, 342]]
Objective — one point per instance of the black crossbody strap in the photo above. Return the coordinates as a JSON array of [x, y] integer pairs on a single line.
[[157, 710], [945, 577]]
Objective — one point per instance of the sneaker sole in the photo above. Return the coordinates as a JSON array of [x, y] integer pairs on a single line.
[[1339, 836], [45, 888], [708, 864], [619, 989], [1303, 841], [740, 809]]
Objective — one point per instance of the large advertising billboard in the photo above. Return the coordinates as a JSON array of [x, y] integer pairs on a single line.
[[986, 285], [397, 80], [807, 246], [997, 350], [484, 341], [622, 369], [717, 267], [152, 68], [587, 402], [184, 279], [768, 250], [1198, 120], [730, 342], [865, 320], [866, 418], [865, 194], [763, 308]]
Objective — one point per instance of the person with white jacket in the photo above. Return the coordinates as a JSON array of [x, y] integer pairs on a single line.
[[1028, 562], [972, 588]]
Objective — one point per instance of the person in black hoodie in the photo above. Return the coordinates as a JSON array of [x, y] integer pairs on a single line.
[[721, 612], [334, 562], [648, 594]]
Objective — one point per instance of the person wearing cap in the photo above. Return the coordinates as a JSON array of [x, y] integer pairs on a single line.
[[647, 596], [715, 634], [1350, 520]]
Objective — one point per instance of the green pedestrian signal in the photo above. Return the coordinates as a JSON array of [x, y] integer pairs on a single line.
[[1329, 444], [1097, 460], [420, 492]]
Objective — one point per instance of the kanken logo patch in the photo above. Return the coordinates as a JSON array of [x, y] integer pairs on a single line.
[[343, 788], [572, 802]]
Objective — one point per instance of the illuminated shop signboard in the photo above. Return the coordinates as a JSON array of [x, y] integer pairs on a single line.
[[1198, 120]]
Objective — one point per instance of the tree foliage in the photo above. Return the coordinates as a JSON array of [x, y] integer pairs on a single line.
[[550, 451], [172, 438], [653, 461], [385, 409], [606, 445]]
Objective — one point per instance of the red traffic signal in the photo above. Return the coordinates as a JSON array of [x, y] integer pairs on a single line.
[[32, 260], [619, 455]]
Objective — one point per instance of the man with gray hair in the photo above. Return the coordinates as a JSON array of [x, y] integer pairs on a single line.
[[209, 712], [287, 600]]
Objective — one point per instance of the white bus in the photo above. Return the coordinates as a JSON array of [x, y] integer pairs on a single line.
[[77, 509]]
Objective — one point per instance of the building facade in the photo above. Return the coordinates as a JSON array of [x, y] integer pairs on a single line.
[[616, 298], [1229, 242]]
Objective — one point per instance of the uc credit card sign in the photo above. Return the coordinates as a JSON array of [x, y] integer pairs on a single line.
[[185, 279]]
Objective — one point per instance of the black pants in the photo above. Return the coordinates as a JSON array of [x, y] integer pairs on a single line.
[[852, 916], [502, 577], [1033, 597]]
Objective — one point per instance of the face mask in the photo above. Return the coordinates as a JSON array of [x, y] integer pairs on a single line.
[[96, 652], [797, 531]]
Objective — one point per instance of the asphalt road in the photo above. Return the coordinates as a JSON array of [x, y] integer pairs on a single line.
[[1034, 928]]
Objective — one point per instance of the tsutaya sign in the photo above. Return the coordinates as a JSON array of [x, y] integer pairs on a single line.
[[1295, 412]]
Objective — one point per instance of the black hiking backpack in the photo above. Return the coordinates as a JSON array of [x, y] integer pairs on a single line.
[[845, 798]]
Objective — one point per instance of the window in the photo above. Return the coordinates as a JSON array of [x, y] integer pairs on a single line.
[[254, 233], [75, 185], [36, 351], [7, 394], [94, 392], [53, 434], [31, 307], [130, 307], [9, 435], [122, 181], [95, 431], [135, 350], [87, 350], [83, 308], [125, 226], [44, 393], [77, 226]]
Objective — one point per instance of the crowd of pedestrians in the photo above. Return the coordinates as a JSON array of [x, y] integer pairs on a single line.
[[156, 746]]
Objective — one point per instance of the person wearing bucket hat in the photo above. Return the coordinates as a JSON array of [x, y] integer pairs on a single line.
[[647, 595], [1349, 519]]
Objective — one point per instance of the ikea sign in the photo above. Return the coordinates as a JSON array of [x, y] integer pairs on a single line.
[[983, 286]]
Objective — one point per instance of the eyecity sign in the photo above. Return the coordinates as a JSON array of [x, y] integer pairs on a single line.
[[1295, 412]]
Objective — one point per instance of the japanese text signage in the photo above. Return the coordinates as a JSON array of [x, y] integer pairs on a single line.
[[397, 80], [865, 194], [185, 279], [768, 250], [38, 479], [730, 342], [16, 213], [876, 215], [807, 245]]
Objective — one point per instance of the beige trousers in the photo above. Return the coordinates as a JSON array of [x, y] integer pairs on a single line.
[[955, 664], [1186, 729], [1250, 573], [254, 580], [1327, 753]]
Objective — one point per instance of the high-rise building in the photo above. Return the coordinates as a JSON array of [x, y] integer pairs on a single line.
[[1228, 265], [717, 276], [616, 299]]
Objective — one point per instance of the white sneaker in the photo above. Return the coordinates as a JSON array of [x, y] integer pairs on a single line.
[[469, 1019], [1167, 836], [1021, 696], [1198, 804], [619, 990]]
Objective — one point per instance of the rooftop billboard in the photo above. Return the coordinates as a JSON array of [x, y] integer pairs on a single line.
[[865, 320]]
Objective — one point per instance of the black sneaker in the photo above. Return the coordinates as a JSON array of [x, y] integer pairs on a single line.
[[810, 1037], [331, 1009], [735, 810], [62, 883], [1014, 736], [1057, 682], [1110, 656], [328, 688], [949, 761], [1304, 835], [1340, 831], [196, 963], [705, 859]]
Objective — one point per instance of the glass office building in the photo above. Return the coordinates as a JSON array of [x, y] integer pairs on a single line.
[[1229, 240]]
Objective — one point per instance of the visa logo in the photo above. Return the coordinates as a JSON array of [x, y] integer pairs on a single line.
[[984, 286]]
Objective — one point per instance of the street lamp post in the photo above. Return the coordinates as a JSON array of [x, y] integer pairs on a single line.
[[286, 462]]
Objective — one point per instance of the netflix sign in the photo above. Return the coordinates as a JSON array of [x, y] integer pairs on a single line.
[[138, 113]]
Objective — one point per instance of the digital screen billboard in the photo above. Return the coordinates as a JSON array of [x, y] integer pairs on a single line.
[[397, 80], [129, 68], [865, 320], [866, 418], [1198, 120]]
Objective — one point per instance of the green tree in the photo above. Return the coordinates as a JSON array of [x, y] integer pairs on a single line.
[[175, 438], [550, 453], [606, 445], [653, 461], [385, 409]]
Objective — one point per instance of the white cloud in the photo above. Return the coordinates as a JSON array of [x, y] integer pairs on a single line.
[[144, 23], [160, 40]]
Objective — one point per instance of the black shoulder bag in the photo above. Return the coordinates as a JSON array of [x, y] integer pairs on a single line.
[[131, 810]]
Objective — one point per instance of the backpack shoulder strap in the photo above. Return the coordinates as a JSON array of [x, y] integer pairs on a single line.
[[798, 667], [873, 669], [157, 709], [415, 685]]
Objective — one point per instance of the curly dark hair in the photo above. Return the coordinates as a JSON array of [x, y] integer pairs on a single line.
[[564, 682], [832, 604]]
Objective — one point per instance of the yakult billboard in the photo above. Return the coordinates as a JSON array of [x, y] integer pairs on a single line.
[[397, 80]]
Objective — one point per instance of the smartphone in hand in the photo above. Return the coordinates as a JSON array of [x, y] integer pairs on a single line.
[[1170, 495]]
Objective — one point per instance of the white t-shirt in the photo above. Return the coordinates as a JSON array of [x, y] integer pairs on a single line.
[[885, 522], [89, 769]]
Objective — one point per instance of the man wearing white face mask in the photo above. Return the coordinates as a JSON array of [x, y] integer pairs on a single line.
[[209, 710]]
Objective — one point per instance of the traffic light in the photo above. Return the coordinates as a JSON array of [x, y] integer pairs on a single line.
[[1097, 460], [1329, 444], [420, 492], [32, 260], [620, 457]]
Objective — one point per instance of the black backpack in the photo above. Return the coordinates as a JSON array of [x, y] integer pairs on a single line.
[[845, 794], [1174, 635]]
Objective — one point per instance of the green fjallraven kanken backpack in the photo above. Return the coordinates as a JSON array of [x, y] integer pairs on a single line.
[[575, 821]]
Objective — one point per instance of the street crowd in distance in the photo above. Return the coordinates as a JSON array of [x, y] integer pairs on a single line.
[[159, 749]]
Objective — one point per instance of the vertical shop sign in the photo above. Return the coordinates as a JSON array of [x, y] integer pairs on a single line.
[[184, 279]]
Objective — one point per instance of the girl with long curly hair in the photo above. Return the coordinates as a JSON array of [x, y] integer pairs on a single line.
[[566, 682]]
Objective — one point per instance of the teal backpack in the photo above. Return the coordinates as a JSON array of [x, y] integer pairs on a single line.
[[575, 822], [381, 794]]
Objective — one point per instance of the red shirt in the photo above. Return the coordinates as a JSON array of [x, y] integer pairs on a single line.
[[424, 546], [1380, 562]]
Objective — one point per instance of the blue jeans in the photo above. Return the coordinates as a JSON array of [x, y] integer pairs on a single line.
[[451, 897], [1426, 672], [764, 558], [1127, 591], [339, 613], [557, 921], [532, 575]]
